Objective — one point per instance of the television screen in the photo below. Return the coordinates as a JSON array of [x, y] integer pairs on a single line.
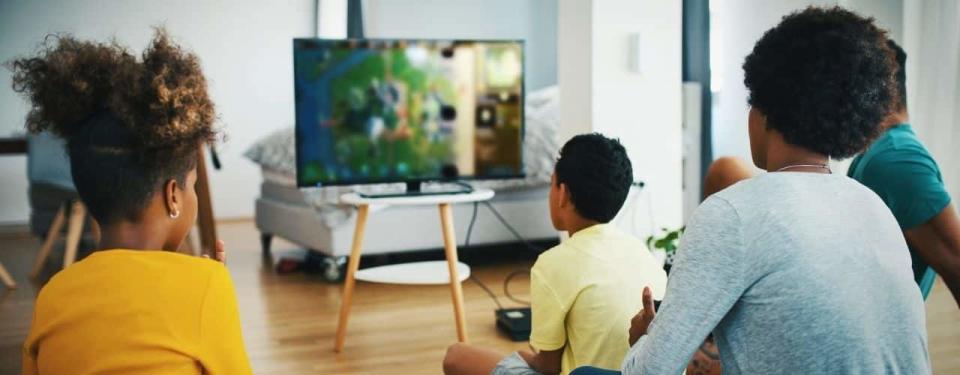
[[372, 111]]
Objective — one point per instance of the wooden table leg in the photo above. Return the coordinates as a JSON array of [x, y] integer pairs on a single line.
[[53, 234], [78, 213], [5, 277], [456, 290], [350, 281], [205, 218]]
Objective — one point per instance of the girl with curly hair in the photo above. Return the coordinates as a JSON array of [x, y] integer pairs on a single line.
[[133, 128]]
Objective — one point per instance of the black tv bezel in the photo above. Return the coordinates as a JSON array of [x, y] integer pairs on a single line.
[[408, 181]]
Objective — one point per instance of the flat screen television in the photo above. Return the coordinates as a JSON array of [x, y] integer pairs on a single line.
[[379, 111]]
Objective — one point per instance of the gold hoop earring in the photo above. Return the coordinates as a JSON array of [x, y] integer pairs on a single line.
[[174, 214]]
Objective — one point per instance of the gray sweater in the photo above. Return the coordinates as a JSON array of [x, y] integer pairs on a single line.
[[795, 273]]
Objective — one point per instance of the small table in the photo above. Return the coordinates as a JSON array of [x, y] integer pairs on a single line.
[[15, 145], [454, 268]]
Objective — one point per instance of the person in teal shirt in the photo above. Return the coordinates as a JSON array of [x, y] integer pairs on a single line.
[[906, 177]]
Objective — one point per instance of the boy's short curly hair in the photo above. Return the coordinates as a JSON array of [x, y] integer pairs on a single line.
[[130, 124], [598, 175], [824, 79]]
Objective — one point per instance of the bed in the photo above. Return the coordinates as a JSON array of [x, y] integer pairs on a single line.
[[314, 218]]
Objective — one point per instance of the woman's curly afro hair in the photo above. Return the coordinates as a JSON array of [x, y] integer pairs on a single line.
[[824, 79], [130, 124]]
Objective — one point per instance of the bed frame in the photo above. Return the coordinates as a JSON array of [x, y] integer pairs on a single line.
[[284, 211]]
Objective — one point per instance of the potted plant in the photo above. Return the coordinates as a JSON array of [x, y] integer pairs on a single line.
[[665, 246]]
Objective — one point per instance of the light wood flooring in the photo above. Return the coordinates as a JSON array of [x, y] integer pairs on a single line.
[[289, 321]]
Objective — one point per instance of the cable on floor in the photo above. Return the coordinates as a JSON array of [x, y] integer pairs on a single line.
[[516, 234], [466, 244], [512, 275], [506, 286]]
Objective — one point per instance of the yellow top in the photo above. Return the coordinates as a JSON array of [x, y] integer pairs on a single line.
[[584, 292], [137, 312]]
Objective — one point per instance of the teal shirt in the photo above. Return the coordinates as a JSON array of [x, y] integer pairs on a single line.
[[901, 171]]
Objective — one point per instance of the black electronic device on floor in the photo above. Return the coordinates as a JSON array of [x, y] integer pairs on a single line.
[[514, 322]]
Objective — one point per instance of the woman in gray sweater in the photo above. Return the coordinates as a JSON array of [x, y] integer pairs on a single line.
[[799, 270]]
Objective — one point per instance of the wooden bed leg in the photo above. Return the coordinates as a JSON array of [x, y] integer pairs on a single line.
[[265, 239], [5, 277], [450, 248], [350, 281], [53, 234]]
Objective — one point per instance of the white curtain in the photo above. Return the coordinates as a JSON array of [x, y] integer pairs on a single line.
[[932, 42]]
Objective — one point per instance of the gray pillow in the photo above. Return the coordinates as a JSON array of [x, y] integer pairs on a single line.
[[276, 152]]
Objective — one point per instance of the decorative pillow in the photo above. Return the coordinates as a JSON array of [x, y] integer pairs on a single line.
[[276, 152]]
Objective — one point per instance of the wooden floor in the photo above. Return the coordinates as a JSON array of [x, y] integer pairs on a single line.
[[289, 321]]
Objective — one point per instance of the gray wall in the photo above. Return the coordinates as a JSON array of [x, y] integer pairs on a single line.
[[534, 21]]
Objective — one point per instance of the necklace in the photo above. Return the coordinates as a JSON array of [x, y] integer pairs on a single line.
[[821, 166]]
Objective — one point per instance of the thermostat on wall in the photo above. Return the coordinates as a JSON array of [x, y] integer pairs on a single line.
[[633, 53]]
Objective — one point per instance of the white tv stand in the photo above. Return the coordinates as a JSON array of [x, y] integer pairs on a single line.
[[411, 273]]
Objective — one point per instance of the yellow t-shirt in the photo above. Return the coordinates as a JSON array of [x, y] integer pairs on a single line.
[[137, 312], [584, 292]]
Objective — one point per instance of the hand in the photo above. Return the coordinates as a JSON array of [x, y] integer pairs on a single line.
[[543, 362], [528, 357], [706, 360], [219, 253], [641, 321]]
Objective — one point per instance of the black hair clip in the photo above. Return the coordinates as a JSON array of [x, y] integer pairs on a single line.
[[215, 158]]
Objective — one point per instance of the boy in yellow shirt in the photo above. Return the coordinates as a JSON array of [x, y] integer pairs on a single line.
[[585, 290]]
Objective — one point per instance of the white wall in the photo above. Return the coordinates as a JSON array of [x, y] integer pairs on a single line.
[[245, 50], [742, 22], [575, 68], [932, 41], [534, 21], [642, 109]]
